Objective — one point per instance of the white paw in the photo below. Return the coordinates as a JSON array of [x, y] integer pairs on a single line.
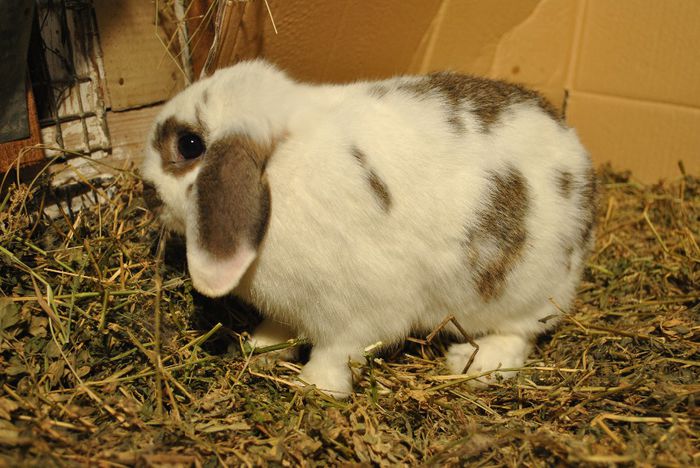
[[495, 352], [263, 341], [268, 360], [265, 360], [290, 353], [332, 379], [329, 371], [272, 334]]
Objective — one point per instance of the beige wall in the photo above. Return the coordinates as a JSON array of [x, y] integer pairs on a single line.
[[628, 71]]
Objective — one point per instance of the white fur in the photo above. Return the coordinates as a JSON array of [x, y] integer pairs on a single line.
[[339, 270], [495, 351], [214, 277]]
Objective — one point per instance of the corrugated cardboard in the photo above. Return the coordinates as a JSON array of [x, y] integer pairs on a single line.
[[630, 68], [635, 85], [321, 40], [642, 49], [526, 41], [647, 137]]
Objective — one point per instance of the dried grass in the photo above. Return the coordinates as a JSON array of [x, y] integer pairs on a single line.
[[89, 377]]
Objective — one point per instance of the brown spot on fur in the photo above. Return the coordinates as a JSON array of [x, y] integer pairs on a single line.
[[378, 186], [233, 195], [564, 182], [378, 90], [496, 241], [165, 142], [188, 190], [359, 155], [568, 254], [381, 192], [486, 98], [589, 205], [457, 123]]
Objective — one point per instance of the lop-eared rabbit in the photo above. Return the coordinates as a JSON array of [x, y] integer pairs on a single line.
[[360, 213]]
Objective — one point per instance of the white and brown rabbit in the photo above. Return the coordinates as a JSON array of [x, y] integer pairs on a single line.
[[355, 214]]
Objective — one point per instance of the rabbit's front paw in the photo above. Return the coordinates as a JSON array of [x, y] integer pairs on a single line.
[[329, 372], [274, 336]]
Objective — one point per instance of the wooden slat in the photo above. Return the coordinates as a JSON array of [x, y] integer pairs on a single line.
[[138, 70], [239, 34], [129, 132], [200, 26]]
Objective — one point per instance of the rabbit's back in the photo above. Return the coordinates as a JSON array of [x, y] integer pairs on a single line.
[[396, 203]]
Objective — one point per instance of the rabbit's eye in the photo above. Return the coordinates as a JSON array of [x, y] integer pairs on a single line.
[[190, 146]]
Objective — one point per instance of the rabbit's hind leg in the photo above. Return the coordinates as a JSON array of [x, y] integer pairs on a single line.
[[496, 351]]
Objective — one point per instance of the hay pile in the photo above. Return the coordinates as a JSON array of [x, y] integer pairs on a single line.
[[88, 375]]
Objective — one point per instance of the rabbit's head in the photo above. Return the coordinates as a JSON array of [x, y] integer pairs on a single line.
[[206, 159]]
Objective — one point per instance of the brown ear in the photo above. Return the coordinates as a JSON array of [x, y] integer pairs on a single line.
[[229, 213]]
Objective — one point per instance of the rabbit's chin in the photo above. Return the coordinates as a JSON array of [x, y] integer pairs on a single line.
[[171, 221]]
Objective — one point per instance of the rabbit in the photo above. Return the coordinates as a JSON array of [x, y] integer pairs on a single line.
[[352, 214]]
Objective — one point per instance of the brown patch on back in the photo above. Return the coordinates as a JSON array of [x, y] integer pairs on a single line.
[[233, 196], [496, 242], [488, 98], [564, 183], [165, 143], [378, 186]]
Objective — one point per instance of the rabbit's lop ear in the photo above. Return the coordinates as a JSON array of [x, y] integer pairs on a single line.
[[229, 213]]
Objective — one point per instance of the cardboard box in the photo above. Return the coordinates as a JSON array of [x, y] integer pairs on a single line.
[[626, 72]]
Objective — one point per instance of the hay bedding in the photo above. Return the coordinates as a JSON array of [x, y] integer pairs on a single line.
[[108, 358]]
